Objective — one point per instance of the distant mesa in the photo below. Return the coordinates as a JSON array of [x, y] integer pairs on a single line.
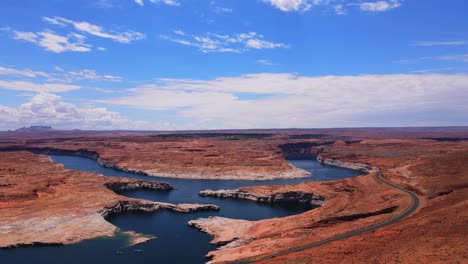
[[35, 129]]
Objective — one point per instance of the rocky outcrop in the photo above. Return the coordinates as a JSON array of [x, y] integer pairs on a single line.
[[135, 238], [138, 185], [346, 164], [148, 206], [303, 150], [54, 151], [289, 197], [187, 208], [216, 226]]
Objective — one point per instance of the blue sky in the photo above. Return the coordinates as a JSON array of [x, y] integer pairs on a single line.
[[180, 64]]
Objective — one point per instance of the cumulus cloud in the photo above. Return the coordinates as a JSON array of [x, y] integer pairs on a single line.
[[95, 30], [211, 42], [289, 100], [48, 109]]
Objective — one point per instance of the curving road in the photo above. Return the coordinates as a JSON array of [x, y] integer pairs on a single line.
[[408, 211]]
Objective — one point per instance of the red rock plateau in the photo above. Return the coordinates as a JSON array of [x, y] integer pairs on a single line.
[[223, 157], [432, 163], [43, 203]]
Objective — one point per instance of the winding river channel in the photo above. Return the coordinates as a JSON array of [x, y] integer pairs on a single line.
[[176, 242]]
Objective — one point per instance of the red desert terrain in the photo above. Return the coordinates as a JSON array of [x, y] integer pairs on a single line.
[[409, 206]]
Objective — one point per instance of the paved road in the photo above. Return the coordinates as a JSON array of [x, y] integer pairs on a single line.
[[414, 205]]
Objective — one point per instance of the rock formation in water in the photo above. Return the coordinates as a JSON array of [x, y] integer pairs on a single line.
[[135, 238], [289, 197], [118, 186], [217, 227]]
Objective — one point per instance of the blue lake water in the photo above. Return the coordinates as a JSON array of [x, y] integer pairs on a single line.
[[176, 242]]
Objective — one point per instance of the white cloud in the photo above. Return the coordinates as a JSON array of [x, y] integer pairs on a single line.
[[166, 2], [219, 9], [104, 3], [457, 57], [180, 32], [265, 62], [59, 75], [26, 36], [379, 6], [56, 43], [291, 5], [48, 109], [164, 99], [224, 43], [54, 21], [35, 87], [72, 42], [22, 72], [289, 100], [440, 43], [461, 57], [86, 74], [51, 41], [339, 7], [95, 30]]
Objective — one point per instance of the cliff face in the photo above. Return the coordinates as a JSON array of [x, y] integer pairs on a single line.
[[346, 164], [43, 203], [118, 186], [302, 150], [288, 197]]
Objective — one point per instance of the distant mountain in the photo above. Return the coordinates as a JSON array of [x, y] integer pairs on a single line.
[[35, 129]]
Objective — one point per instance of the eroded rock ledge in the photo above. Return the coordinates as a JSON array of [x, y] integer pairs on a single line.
[[346, 164], [216, 226], [138, 185], [289, 197], [263, 169], [149, 206]]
